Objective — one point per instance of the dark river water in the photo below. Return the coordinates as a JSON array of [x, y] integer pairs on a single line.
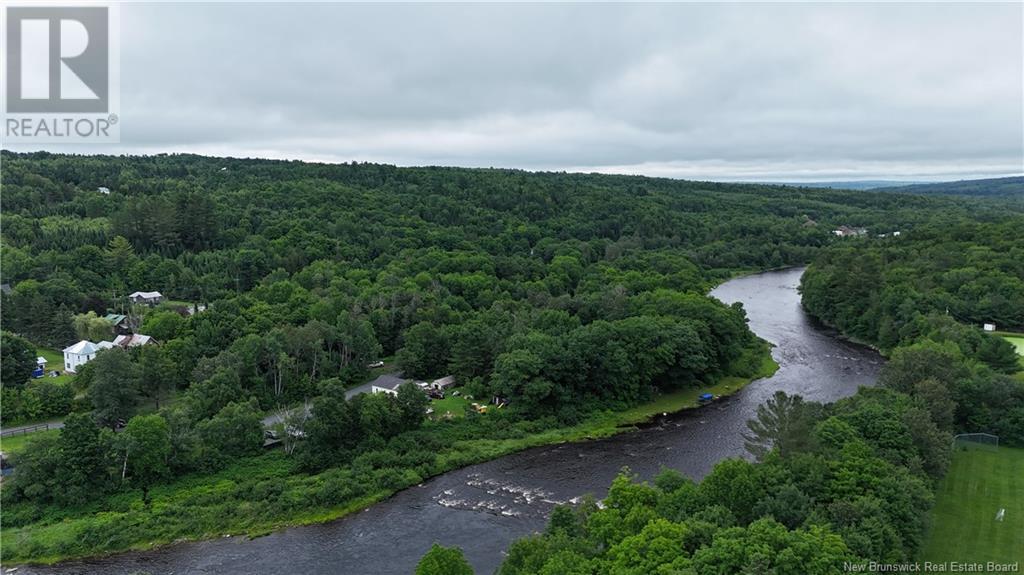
[[484, 507]]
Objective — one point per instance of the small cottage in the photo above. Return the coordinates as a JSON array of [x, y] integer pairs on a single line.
[[133, 340], [120, 323], [146, 297]]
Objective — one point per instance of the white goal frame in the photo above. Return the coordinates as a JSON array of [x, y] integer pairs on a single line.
[[987, 439]]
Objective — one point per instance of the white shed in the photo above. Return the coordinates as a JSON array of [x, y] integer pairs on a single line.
[[989, 327], [79, 354], [443, 383]]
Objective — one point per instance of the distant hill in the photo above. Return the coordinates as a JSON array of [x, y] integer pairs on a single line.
[[992, 188], [852, 185]]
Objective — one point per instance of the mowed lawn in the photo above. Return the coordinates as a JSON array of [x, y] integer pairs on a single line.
[[54, 361], [964, 526], [1018, 342]]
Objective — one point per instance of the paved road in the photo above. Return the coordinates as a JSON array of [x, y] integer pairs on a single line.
[[272, 420]]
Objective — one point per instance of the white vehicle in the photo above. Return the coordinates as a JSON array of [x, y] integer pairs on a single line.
[[376, 364]]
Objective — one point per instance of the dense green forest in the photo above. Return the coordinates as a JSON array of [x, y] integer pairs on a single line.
[[883, 291], [1009, 188], [932, 291], [562, 296], [327, 267]]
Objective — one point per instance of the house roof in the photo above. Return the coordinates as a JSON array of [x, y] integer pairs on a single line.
[[146, 294], [115, 318], [388, 381], [40, 359], [444, 381], [82, 347], [105, 344], [133, 340]]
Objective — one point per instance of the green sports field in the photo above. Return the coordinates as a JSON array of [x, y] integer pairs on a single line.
[[1018, 342], [964, 526]]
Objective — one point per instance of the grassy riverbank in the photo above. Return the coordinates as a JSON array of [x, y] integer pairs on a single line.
[[261, 494]]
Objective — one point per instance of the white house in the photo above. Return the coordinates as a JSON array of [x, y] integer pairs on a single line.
[[79, 354], [848, 232], [103, 190], [387, 383], [989, 327], [146, 297]]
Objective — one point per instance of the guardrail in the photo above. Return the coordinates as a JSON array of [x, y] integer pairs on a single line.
[[24, 430]]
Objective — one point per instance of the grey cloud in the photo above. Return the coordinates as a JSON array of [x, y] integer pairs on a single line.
[[733, 91]]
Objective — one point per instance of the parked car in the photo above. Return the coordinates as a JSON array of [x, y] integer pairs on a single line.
[[376, 364]]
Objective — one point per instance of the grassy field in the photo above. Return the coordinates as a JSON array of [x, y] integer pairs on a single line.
[[1017, 341], [15, 443], [964, 526], [456, 405], [54, 361]]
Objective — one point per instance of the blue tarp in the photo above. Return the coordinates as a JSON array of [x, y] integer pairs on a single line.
[[37, 372], [706, 397]]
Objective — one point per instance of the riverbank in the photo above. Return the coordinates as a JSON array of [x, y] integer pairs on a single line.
[[263, 494]]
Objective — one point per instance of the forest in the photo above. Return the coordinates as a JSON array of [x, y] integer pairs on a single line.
[[930, 294], [847, 483], [1011, 188], [563, 297]]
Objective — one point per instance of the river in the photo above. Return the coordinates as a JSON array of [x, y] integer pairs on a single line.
[[485, 507]]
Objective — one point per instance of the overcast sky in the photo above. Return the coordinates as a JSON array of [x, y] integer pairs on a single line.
[[728, 92]]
